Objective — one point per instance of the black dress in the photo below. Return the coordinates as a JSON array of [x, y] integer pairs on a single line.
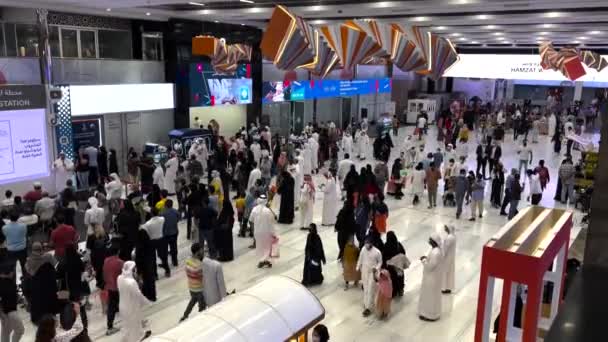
[[346, 228], [314, 258], [42, 289], [128, 225], [145, 261], [398, 280], [98, 248], [286, 210]]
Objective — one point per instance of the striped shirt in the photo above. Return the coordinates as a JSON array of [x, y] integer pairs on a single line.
[[194, 272]]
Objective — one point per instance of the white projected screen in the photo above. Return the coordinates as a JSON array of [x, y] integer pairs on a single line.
[[23, 145]]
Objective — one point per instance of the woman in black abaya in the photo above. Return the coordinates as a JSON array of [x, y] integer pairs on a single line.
[[313, 257], [145, 261], [392, 248], [287, 201]]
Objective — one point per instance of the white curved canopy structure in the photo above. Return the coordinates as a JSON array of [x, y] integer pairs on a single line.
[[276, 309]]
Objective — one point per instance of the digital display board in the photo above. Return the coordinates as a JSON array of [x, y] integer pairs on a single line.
[[319, 89], [208, 88]]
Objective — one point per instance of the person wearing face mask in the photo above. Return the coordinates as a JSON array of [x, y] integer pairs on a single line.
[[370, 261], [429, 305], [132, 302], [320, 333]]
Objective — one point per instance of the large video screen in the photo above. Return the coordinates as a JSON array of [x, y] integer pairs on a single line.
[[23, 145], [319, 89], [208, 88]]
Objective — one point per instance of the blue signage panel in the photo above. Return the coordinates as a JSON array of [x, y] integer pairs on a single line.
[[319, 89]]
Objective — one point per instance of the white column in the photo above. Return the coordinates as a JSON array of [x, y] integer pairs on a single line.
[[510, 90], [578, 91]]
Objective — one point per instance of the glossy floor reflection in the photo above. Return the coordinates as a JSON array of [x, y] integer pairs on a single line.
[[343, 318]]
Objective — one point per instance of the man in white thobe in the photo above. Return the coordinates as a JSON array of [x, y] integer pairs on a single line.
[[347, 143], [298, 178], [254, 175], [158, 177], [171, 173], [330, 201], [307, 202], [449, 260], [314, 153], [131, 305], [199, 149], [306, 160], [256, 150], [343, 168], [263, 220], [429, 305], [363, 145], [214, 286], [64, 170], [370, 261]]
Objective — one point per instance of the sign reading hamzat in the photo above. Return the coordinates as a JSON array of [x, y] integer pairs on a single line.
[[23, 140]]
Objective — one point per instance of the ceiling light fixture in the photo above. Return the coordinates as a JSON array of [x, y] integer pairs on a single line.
[[455, 34], [483, 17], [491, 27], [383, 4], [196, 4], [553, 14], [576, 42], [440, 28], [547, 25], [474, 42], [148, 13], [420, 19], [462, 39], [543, 33], [316, 8], [242, 24], [248, 1], [498, 33], [582, 38], [501, 38], [595, 32]]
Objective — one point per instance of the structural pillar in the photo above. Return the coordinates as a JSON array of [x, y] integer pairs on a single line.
[[578, 91]]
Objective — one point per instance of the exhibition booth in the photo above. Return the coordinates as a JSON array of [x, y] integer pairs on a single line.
[[116, 116], [277, 309], [25, 138]]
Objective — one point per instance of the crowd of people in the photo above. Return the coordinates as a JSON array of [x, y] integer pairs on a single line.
[[253, 181]]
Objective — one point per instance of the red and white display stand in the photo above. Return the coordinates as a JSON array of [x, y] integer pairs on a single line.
[[522, 253]]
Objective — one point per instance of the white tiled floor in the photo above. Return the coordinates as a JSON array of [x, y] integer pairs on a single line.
[[343, 317]]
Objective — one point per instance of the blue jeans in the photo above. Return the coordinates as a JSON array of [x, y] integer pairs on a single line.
[[568, 189], [206, 235]]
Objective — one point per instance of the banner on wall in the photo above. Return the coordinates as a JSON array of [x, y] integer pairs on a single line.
[[86, 133], [320, 89], [24, 152], [513, 67]]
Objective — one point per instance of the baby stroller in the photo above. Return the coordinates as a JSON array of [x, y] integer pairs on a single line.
[[449, 200]]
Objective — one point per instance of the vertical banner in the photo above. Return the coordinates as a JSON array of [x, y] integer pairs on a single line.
[[63, 127]]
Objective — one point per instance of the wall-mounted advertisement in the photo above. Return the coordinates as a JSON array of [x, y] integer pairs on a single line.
[[24, 152], [208, 88], [320, 89], [514, 67]]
